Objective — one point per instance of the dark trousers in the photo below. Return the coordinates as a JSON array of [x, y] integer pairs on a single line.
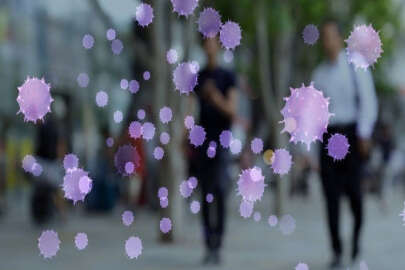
[[342, 178]]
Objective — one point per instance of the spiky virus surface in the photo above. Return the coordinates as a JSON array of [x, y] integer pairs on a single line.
[[225, 138], [302, 266], [197, 135], [144, 14], [48, 243], [70, 162], [195, 207], [133, 247], [165, 115], [81, 241], [364, 46], [34, 99], [338, 146], [307, 110], [230, 35], [148, 131], [185, 77], [135, 130], [281, 162], [287, 225], [310, 34], [133, 86], [165, 225], [171, 56], [101, 99], [71, 185], [209, 22], [126, 153], [158, 153], [250, 189], [246, 209], [127, 218], [184, 7], [164, 138], [256, 145]]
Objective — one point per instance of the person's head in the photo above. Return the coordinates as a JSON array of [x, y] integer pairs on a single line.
[[331, 37], [211, 48]]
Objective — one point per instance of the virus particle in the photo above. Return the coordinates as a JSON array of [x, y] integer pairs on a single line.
[[194, 66], [281, 162], [189, 122], [225, 138], [246, 209], [164, 202], [257, 216], [34, 99], [148, 131], [133, 247], [228, 56], [124, 84], [110, 34], [140, 114], [235, 146], [185, 189], [185, 77], [126, 153], [171, 56], [88, 41], [164, 138], [165, 115], [209, 22], [403, 215], [302, 266], [165, 225], [309, 109], [192, 182], [363, 46], [289, 125], [109, 142], [71, 185], [213, 144], [256, 145], [310, 34], [101, 98], [163, 192], [129, 168], [184, 7], [197, 135], [36, 169], [146, 75], [48, 244], [127, 218], [211, 151], [195, 207], [144, 14], [287, 225], [85, 185], [249, 189], [133, 86], [135, 130], [273, 220], [338, 146], [256, 174], [158, 153], [230, 35], [81, 241], [118, 116], [117, 46], [70, 161], [83, 80], [209, 198], [28, 162]]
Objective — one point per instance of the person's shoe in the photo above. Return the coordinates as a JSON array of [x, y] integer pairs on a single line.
[[336, 263], [216, 258]]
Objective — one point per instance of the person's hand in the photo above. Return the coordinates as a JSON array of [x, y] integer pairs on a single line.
[[364, 147]]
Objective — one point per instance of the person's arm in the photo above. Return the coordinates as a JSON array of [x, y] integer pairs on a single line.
[[225, 104]]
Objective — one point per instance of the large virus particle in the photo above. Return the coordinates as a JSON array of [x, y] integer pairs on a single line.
[[246, 209], [281, 162], [126, 153], [148, 131], [34, 99], [209, 22], [127, 218], [70, 162], [250, 189], [363, 46], [197, 135], [165, 225], [165, 115], [81, 241], [71, 185], [133, 247], [338, 146], [302, 266], [306, 115], [184, 7], [185, 77], [225, 138], [310, 34], [144, 14], [230, 35], [48, 244], [256, 145], [287, 225]]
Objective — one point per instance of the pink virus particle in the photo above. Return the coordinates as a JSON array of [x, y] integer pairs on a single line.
[[338, 146], [110, 34], [144, 14], [306, 110], [189, 122], [141, 114], [146, 75], [403, 215], [164, 138], [164, 202], [228, 56], [109, 142], [184, 7], [287, 224], [101, 98], [195, 207], [36, 169], [209, 198], [135, 130], [256, 145], [133, 247], [185, 77], [28, 162], [257, 216], [48, 243], [225, 138], [209, 22], [249, 189], [88, 41], [124, 84], [81, 241], [118, 116], [70, 161], [158, 153], [165, 225], [127, 218], [83, 80], [192, 182], [129, 168], [197, 135], [165, 115], [281, 162], [364, 46], [171, 56], [230, 35], [34, 99], [133, 86], [163, 192], [185, 189], [126, 153], [117, 46], [85, 185], [310, 34], [148, 131], [273, 220], [246, 209], [301, 266], [71, 185], [211, 151], [235, 146]]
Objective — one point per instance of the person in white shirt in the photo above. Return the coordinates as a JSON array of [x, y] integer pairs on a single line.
[[354, 105]]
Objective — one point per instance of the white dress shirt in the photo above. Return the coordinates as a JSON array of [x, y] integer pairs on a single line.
[[338, 80]]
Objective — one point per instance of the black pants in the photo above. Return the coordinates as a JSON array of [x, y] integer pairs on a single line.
[[342, 178]]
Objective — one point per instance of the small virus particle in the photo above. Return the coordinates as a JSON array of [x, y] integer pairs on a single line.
[[185, 189], [310, 34], [257, 216], [171, 56], [256, 145], [88, 41], [184, 7], [235, 146], [189, 122], [249, 189], [34, 99], [209, 22], [109, 142], [117, 46], [133, 247], [71, 185], [165, 225], [146, 75], [110, 34], [192, 182], [209, 198], [36, 169], [213, 144], [403, 215], [164, 202], [126, 153], [164, 138], [144, 14], [124, 84], [211, 152], [81, 241], [101, 98], [118, 116], [135, 130], [158, 153], [246, 209], [225, 138], [129, 168], [127, 218], [363, 46], [133, 86], [338, 146], [230, 35], [228, 56], [140, 114], [197, 135], [302, 266], [195, 207], [48, 244], [163, 192], [83, 80], [287, 224], [273, 220], [85, 185], [28, 162], [185, 77], [148, 131], [281, 162], [165, 115], [268, 156]]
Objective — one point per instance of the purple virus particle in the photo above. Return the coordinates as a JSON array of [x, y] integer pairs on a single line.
[[48, 243], [71, 161], [144, 14], [228, 56], [140, 114], [146, 75], [135, 130], [211, 151], [310, 34], [109, 142], [118, 116], [83, 80], [273, 220], [257, 216], [287, 224], [225, 138], [195, 207], [307, 110], [364, 46], [101, 98], [129, 167], [85, 185], [213, 144], [71, 185], [403, 215], [88, 41], [165, 225], [34, 99], [133, 86], [28, 162], [165, 115], [249, 189], [36, 169], [171, 56], [185, 77], [195, 66], [235, 146], [126, 153], [230, 35], [163, 192], [189, 122], [246, 209], [256, 174], [209, 22], [158, 153], [117, 46], [197, 135], [184, 7], [185, 189], [164, 202], [164, 138], [148, 131], [124, 84], [110, 34], [133, 247], [209, 198], [281, 162], [192, 182], [81, 241], [127, 218], [338, 146], [302, 266], [256, 145]]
